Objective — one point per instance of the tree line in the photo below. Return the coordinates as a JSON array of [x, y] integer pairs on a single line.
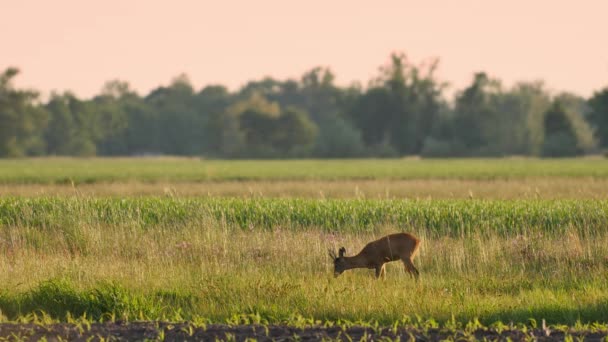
[[401, 111]]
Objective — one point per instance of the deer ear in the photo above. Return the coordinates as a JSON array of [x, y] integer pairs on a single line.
[[342, 251], [332, 253]]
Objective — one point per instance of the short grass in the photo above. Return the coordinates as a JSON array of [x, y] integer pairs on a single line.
[[177, 259], [524, 188], [95, 170]]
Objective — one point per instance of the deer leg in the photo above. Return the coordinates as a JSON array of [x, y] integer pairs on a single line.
[[410, 268], [379, 271], [383, 271]]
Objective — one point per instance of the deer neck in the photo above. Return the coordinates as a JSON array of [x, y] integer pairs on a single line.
[[356, 261]]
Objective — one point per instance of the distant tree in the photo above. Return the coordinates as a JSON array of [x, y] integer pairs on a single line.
[[513, 126], [256, 127], [180, 128], [475, 115], [491, 121], [22, 120], [143, 132], [328, 105], [578, 112], [442, 140], [245, 127], [560, 137], [111, 108], [402, 111], [400, 106], [372, 114], [61, 129], [295, 132], [319, 96], [269, 88], [530, 103], [72, 128], [211, 104], [598, 115], [339, 140]]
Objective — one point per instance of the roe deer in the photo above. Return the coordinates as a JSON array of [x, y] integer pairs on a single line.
[[400, 246]]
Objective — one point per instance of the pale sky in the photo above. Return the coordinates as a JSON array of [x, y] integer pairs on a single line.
[[78, 45]]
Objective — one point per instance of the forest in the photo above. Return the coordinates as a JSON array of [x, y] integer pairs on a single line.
[[402, 111]]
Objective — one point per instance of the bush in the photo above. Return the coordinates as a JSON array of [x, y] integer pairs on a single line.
[[437, 148]]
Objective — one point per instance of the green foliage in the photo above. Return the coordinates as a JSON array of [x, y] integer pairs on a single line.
[[257, 120], [111, 107], [177, 128], [598, 115], [61, 299], [264, 129], [489, 120], [212, 101], [437, 218], [475, 113], [531, 102], [435, 148], [21, 120], [578, 111], [402, 112], [560, 136], [338, 138], [294, 130], [73, 128], [400, 107]]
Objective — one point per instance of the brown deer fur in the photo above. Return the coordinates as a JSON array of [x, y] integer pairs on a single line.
[[400, 246]]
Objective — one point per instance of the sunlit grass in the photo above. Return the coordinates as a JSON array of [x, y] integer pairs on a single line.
[[210, 269], [438, 217], [504, 240], [524, 188]]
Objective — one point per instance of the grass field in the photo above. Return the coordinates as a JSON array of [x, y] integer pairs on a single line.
[[213, 259], [528, 188], [515, 178], [456, 218], [95, 170], [506, 240]]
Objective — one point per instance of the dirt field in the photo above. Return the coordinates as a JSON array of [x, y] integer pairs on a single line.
[[117, 331]]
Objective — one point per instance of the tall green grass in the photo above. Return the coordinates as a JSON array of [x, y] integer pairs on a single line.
[[437, 217]]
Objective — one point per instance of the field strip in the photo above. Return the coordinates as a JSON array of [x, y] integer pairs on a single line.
[[528, 188], [173, 170], [124, 331]]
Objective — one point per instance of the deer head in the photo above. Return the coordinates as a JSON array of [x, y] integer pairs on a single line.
[[339, 261]]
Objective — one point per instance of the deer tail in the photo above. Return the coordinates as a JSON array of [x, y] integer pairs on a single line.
[[415, 249]]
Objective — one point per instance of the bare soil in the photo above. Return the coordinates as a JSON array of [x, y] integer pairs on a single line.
[[140, 331]]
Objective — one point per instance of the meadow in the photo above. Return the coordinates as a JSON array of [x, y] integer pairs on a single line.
[[160, 258], [262, 256], [408, 178], [175, 170], [512, 189]]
